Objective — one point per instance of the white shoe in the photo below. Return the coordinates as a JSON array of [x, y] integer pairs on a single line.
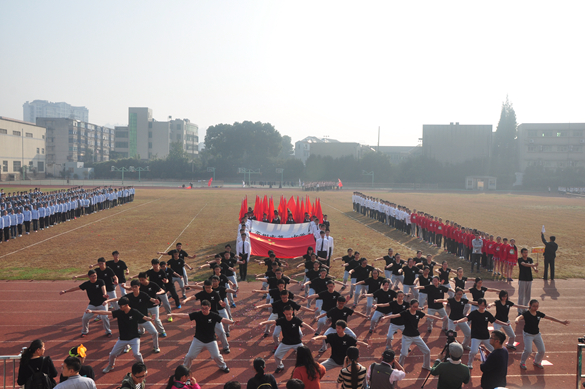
[[108, 369]]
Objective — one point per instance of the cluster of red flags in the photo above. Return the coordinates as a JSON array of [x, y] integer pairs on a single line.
[[297, 208]]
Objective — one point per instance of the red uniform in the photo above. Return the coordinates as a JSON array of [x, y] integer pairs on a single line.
[[512, 255]]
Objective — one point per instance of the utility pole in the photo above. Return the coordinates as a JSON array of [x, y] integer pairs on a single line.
[[378, 138]]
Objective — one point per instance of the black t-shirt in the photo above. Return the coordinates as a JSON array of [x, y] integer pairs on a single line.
[[525, 273], [352, 265], [118, 268], [329, 299], [435, 293], [257, 380], [268, 262], [205, 325], [128, 323], [339, 314], [457, 308], [374, 284], [169, 276], [411, 322], [531, 322], [177, 265], [212, 297], [222, 279], [182, 254], [156, 276], [383, 297], [290, 330], [478, 293], [141, 303], [424, 281], [94, 292], [444, 275], [397, 308], [360, 273], [339, 346], [319, 284], [347, 259], [460, 283], [409, 274], [275, 294], [278, 307], [309, 265], [273, 282], [151, 289], [479, 324], [230, 263], [429, 265], [397, 266], [107, 275], [503, 310], [312, 274], [389, 260], [222, 295]]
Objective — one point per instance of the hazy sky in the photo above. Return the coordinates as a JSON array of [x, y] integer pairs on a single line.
[[317, 68]]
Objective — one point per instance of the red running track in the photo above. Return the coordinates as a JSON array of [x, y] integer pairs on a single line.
[[35, 310]]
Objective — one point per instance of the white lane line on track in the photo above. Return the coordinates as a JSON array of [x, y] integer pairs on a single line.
[[187, 226], [77, 228]]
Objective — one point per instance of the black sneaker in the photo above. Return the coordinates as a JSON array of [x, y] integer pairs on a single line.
[[226, 351], [279, 370], [226, 370], [266, 335]]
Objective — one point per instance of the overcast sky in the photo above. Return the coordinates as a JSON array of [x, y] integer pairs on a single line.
[[318, 68]]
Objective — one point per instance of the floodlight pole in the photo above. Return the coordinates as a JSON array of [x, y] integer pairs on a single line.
[[279, 170], [211, 169], [365, 173], [139, 169]]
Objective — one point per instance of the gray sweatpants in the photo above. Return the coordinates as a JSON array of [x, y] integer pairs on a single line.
[[87, 317], [197, 346], [121, 345]]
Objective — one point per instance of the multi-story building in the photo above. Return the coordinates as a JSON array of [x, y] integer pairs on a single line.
[[399, 154], [22, 150], [147, 138], [70, 140], [454, 143], [303, 147], [551, 145], [45, 109]]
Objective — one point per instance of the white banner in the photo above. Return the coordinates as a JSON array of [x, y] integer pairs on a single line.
[[280, 230]]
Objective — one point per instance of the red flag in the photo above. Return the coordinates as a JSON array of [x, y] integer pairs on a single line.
[[282, 247], [308, 207], [339, 183], [291, 206], [298, 216], [270, 210], [318, 211], [302, 210], [265, 207], [244, 207], [257, 207], [282, 210], [209, 182]]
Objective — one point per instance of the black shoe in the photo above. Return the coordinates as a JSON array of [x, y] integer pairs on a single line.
[[226, 370], [227, 334], [279, 370], [266, 335], [226, 351]]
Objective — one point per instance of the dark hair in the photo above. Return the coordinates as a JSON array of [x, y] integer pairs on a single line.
[[502, 294], [205, 303], [341, 323], [73, 363], [353, 354], [134, 283], [138, 367], [552, 238], [90, 273], [280, 282], [232, 385], [115, 252], [305, 358], [154, 261], [532, 302], [284, 292], [123, 301], [142, 274], [500, 335], [28, 353], [214, 278], [524, 249], [259, 366], [180, 371], [101, 259], [413, 301], [207, 283], [342, 299], [178, 244], [162, 263], [295, 383], [477, 279], [481, 301]]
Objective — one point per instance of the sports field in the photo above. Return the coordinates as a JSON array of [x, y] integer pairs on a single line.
[[205, 220]]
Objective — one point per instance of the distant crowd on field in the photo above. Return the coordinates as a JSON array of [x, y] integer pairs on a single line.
[[23, 212], [322, 185]]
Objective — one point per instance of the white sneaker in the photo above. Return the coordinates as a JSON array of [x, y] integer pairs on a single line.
[[156, 350], [108, 369]]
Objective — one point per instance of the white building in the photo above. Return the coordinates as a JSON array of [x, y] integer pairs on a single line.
[[303, 147], [21, 145], [45, 109]]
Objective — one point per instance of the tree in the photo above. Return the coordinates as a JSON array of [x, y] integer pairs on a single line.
[[505, 161], [287, 148], [88, 157]]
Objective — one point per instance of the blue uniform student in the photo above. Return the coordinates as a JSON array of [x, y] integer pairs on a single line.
[[27, 215], [13, 223], [35, 216]]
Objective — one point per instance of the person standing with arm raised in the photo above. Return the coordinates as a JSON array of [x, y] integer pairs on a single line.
[[550, 253]]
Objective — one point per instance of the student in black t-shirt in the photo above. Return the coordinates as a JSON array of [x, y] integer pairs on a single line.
[[480, 334], [158, 276], [33, 360], [120, 270], [128, 320], [397, 323], [360, 273], [478, 292], [107, 275], [205, 323], [340, 312], [170, 285], [531, 333], [96, 292], [349, 266], [318, 285], [383, 298], [435, 291], [424, 279], [389, 259], [373, 284], [525, 266], [503, 305], [410, 272], [396, 272], [346, 259], [458, 305], [328, 300], [261, 380], [178, 265], [340, 341], [411, 335], [291, 335], [222, 309], [182, 255]]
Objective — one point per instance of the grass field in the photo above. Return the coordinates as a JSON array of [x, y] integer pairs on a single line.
[[205, 220]]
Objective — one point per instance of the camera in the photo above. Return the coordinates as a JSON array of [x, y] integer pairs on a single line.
[[581, 340], [451, 335]]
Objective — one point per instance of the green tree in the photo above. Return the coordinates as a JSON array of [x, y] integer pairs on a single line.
[[287, 148], [88, 157], [505, 147]]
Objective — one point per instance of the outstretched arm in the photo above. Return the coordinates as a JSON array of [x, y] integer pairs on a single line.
[[565, 322]]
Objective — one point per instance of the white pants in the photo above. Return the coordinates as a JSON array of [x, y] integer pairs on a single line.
[[375, 317], [148, 326], [464, 327], [508, 330], [330, 330], [407, 288], [345, 276], [422, 299], [407, 341], [112, 295], [224, 314], [185, 277], [391, 330], [388, 273], [87, 317], [153, 312], [369, 303], [230, 296], [524, 289], [121, 345], [442, 314], [277, 329], [179, 280], [359, 289], [122, 290], [352, 288], [537, 340], [281, 351], [330, 364], [475, 347], [220, 332], [197, 346], [164, 299]]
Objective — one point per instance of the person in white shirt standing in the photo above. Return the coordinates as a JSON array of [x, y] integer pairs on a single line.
[[243, 252], [322, 246]]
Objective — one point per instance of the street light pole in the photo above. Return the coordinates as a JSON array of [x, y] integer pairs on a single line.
[[122, 169], [211, 169], [279, 170]]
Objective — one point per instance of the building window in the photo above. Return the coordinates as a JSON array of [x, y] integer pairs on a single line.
[[575, 149], [41, 166], [578, 133], [562, 133], [122, 145], [546, 148], [17, 133], [562, 148], [29, 135], [150, 145], [43, 137], [16, 166], [547, 133], [42, 151], [532, 133], [121, 134], [5, 166], [149, 134], [38, 150], [149, 124], [3, 131], [532, 148]]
